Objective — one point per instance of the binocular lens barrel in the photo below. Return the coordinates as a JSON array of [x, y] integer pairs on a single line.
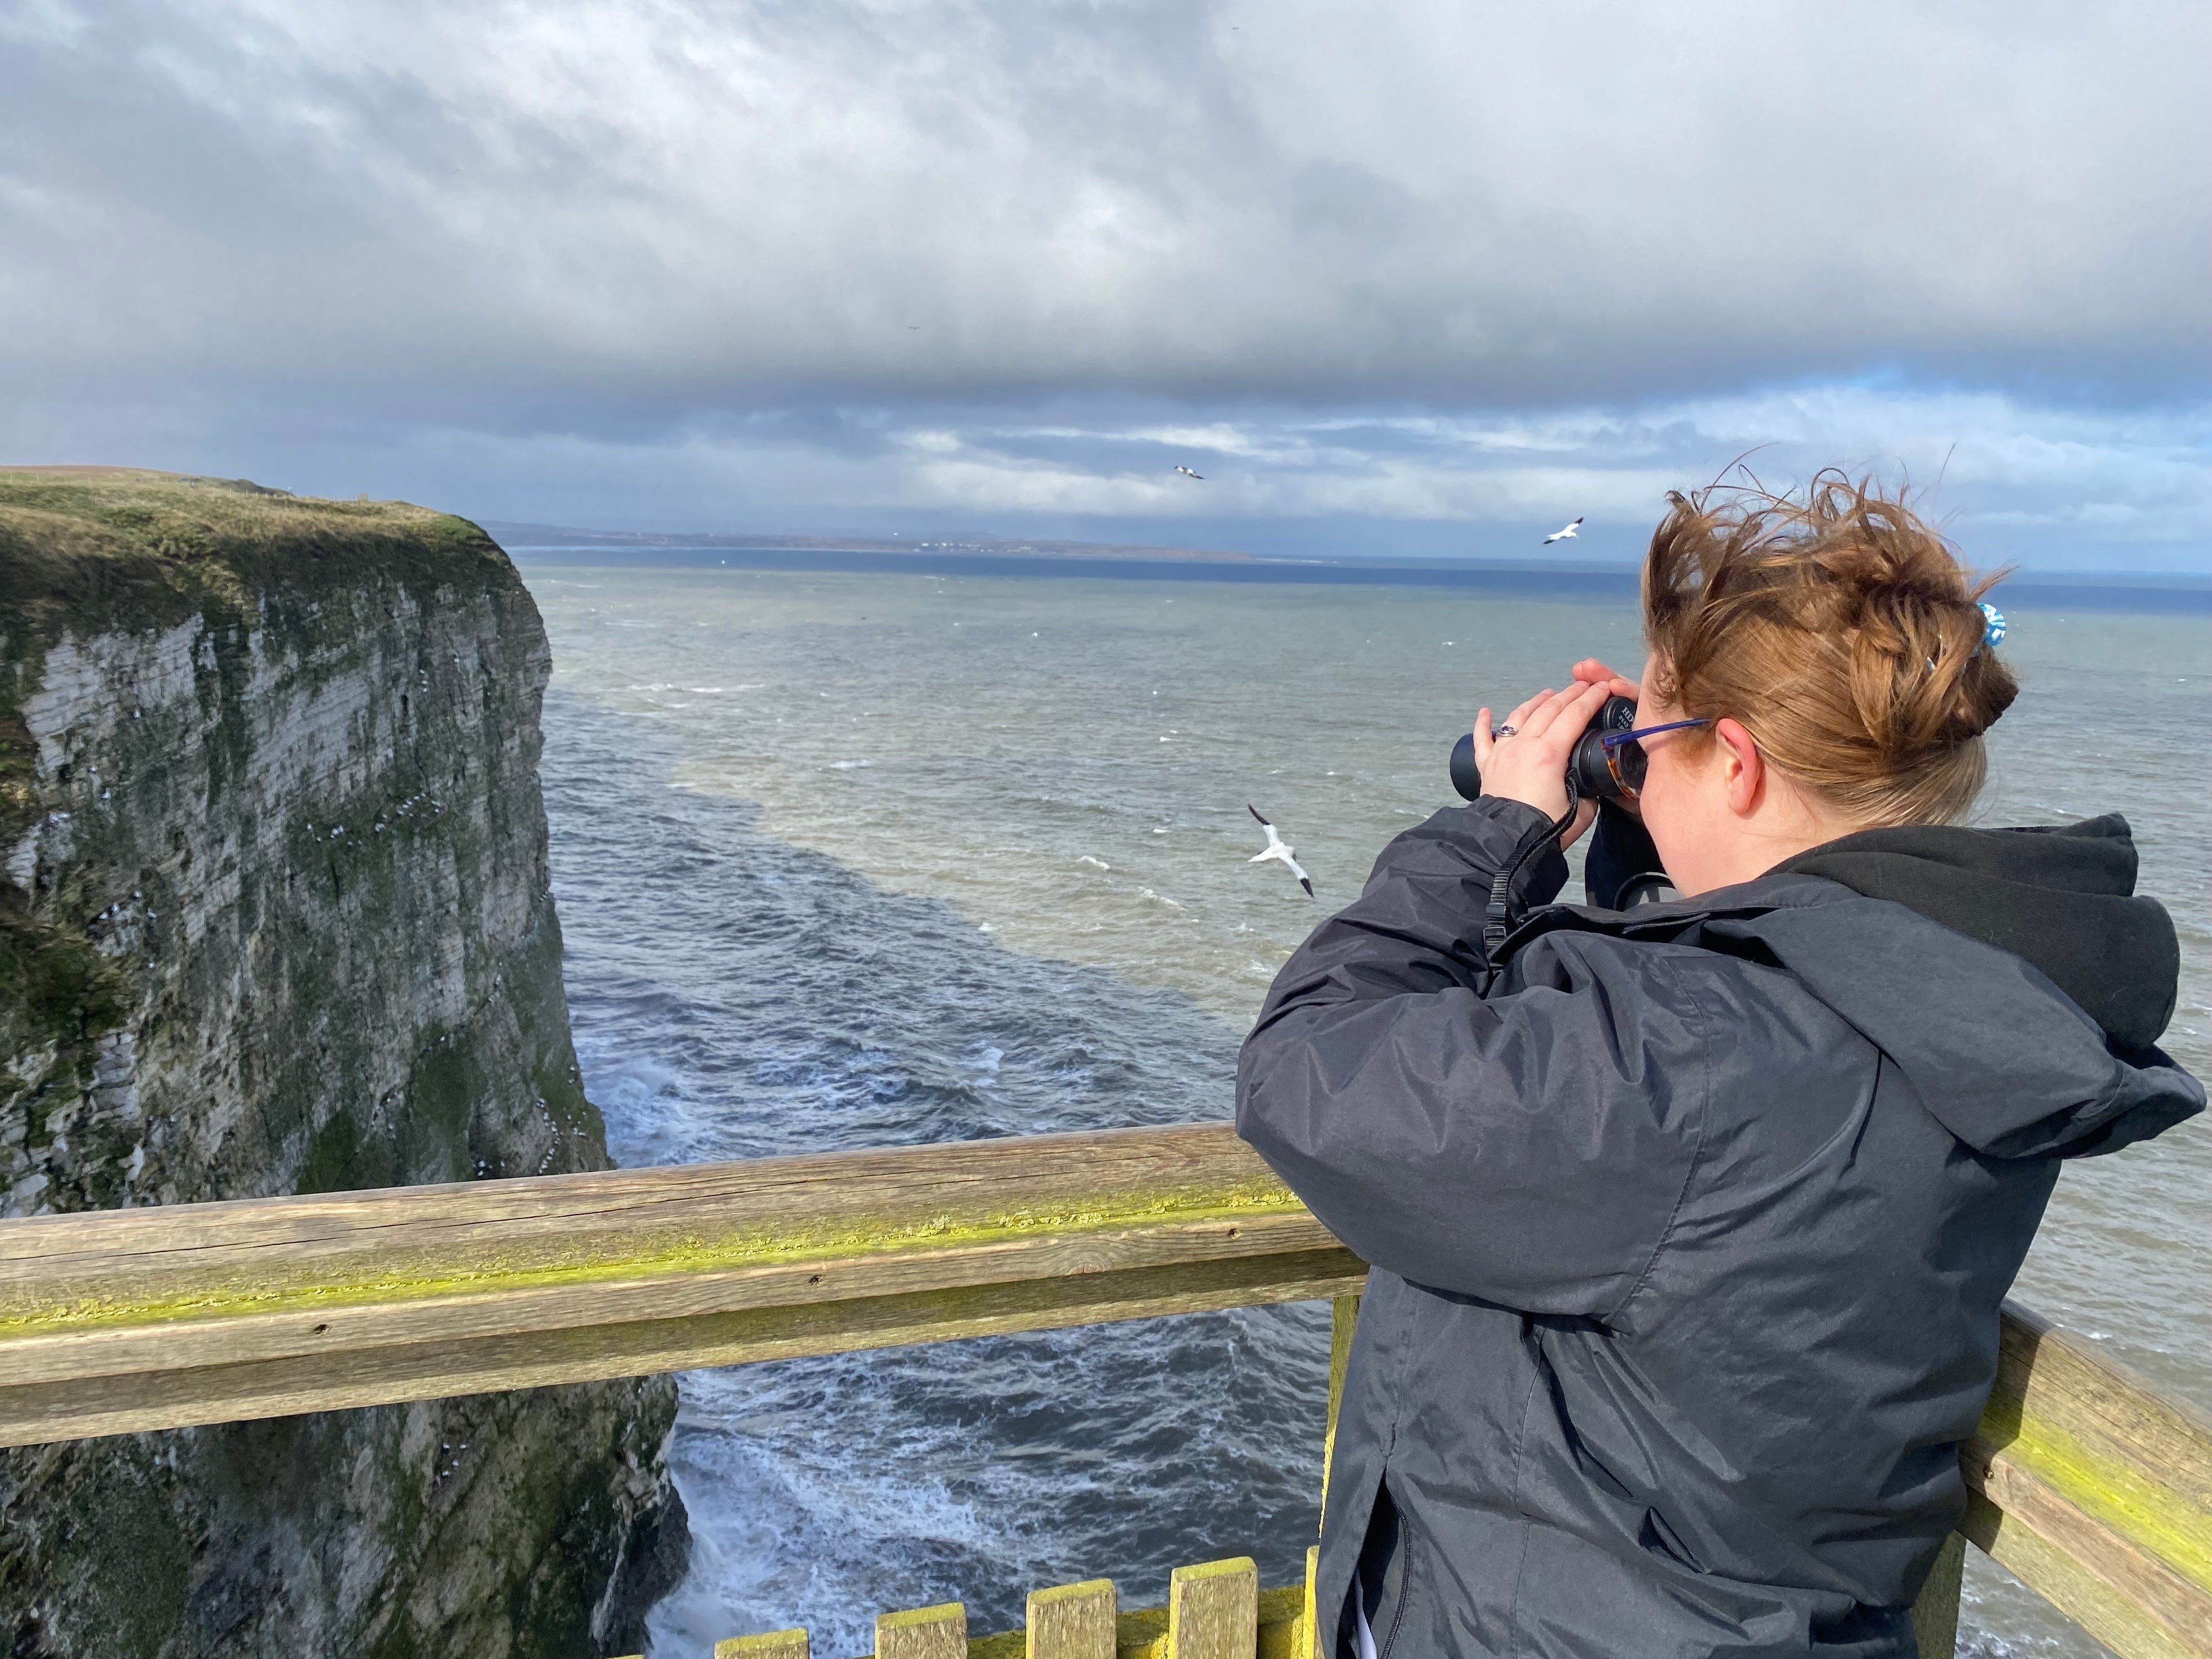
[[1593, 778]]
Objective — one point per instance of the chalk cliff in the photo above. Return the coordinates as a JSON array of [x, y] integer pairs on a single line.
[[274, 917]]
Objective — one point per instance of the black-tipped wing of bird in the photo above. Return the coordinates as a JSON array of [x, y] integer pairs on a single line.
[[1254, 811]]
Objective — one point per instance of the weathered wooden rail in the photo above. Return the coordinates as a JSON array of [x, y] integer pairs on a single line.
[[2091, 1487]]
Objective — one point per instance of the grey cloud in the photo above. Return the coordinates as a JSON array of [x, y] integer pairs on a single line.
[[690, 205], [1441, 269]]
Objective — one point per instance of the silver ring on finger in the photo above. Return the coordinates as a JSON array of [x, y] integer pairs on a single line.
[[1504, 731]]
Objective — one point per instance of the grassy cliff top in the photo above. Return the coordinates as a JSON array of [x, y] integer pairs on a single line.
[[88, 548]]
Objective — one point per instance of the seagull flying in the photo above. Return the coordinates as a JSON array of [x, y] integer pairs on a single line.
[[1201, 477], [1279, 850], [1563, 535]]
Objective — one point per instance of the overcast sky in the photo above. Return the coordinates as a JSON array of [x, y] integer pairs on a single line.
[[1431, 276]]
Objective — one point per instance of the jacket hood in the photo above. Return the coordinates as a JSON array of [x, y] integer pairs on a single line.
[[1921, 939], [2061, 897]]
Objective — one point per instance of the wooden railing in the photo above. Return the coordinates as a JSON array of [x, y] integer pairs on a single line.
[[2091, 1488]]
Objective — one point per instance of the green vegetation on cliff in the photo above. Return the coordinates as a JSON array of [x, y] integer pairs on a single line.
[[96, 550], [111, 547]]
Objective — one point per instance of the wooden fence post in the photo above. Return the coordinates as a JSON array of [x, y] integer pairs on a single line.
[[773, 1644], [1311, 1627], [1072, 1621], [1343, 1320], [938, 1632], [1213, 1610]]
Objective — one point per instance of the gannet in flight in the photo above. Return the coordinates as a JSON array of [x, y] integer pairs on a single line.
[[1280, 851], [1188, 473], [1562, 535]]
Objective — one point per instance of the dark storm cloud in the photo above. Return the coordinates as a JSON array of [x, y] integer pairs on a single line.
[[945, 255]]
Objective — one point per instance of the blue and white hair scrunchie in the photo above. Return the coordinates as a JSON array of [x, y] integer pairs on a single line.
[[1996, 630]]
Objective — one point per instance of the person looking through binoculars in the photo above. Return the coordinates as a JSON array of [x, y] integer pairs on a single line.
[[1689, 1220]]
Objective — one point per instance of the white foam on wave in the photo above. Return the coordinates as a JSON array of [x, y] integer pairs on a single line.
[[767, 1473], [849, 766], [1096, 864], [633, 1080], [653, 1113]]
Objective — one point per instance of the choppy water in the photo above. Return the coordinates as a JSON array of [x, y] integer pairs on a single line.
[[849, 860]]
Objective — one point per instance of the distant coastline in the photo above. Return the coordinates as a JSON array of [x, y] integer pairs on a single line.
[[540, 537], [2175, 594]]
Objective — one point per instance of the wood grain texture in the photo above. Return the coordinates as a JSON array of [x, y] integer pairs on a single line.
[[2080, 1594], [2123, 1563], [141, 1319], [938, 1632], [1213, 1610], [770, 1644], [155, 1398], [1072, 1621], [1142, 1633], [1084, 1201], [2095, 1491]]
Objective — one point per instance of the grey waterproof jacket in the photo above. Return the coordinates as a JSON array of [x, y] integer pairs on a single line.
[[1689, 1224]]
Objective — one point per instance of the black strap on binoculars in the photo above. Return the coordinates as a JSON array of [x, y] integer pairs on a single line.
[[1501, 914]]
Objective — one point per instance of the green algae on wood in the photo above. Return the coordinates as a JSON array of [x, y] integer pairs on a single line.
[[332, 1252], [1124, 1240], [2095, 1490]]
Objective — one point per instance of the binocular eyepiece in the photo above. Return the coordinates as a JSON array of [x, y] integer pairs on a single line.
[[1589, 770]]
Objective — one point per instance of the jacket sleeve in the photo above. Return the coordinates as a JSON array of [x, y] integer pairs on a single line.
[[1523, 1141]]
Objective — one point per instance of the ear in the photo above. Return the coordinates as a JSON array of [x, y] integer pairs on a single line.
[[1743, 772]]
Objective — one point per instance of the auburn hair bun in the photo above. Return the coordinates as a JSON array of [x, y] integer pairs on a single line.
[[1841, 631]]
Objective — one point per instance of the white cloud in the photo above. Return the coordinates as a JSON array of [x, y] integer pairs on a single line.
[[2015, 480]]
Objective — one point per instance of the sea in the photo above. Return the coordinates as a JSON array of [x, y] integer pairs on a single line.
[[854, 857]]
